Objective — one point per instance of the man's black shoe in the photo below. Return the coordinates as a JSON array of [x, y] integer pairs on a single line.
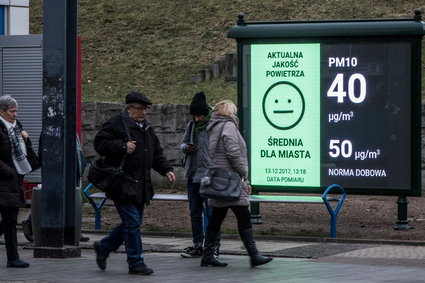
[[18, 263], [84, 238], [100, 256], [141, 269]]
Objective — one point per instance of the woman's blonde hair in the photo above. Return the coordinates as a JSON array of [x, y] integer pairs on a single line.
[[225, 108]]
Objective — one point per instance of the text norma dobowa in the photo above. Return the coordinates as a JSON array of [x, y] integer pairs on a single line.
[[338, 172], [363, 172]]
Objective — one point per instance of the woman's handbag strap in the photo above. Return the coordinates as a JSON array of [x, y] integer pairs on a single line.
[[218, 141]]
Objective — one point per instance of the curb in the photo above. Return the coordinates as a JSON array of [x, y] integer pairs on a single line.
[[281, 238]]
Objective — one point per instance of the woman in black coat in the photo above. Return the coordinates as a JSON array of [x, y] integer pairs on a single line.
[[13, 165]]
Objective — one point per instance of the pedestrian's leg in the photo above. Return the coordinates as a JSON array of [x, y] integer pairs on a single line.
[[195, 212], [132, 216], [195, 206], [10, 219], [207, 216], [132, 219], [114, 239], [243, 217], [213, 228], [109, 244]]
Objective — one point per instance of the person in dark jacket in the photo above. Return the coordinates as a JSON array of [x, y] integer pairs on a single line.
[[14, 143], [143, 152], [194, 145]]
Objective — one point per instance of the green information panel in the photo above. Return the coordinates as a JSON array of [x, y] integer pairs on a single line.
[[331, 102], [285, 114]]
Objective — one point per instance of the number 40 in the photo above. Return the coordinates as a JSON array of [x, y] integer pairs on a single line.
[[337, 88]]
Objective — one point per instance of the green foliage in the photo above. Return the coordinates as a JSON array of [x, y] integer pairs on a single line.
[[152, 46]]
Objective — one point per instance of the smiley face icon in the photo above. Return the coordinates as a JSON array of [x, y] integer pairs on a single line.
[[283, 105]]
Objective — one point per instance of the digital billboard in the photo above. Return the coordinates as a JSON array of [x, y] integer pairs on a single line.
[[323, 110]]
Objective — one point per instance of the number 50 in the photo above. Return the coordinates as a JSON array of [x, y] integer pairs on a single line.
[[337, 88], [345, 149]]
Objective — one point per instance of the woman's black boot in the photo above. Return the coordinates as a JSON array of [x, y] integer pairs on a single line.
[[208, 256], [254, 254]]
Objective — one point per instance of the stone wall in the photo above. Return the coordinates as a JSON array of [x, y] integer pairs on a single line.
[[169, 122], [227, 67]]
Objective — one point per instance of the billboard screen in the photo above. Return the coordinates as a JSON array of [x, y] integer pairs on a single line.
[[330, 112]]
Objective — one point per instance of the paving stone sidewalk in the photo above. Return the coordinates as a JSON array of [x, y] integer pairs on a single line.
[[294, 261]]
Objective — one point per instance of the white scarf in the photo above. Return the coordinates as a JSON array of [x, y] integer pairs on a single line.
[[19, 150]]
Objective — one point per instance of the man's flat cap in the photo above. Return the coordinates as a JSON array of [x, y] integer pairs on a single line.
[[138, 97]]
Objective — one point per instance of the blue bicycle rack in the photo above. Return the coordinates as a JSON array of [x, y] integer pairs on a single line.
[[97, 207], [334, 213]]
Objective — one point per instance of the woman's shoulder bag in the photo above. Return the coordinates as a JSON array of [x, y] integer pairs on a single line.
[[221, 183], [107, 178]]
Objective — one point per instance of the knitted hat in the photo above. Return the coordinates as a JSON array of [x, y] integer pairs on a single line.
[[138, 97], [199, 105]]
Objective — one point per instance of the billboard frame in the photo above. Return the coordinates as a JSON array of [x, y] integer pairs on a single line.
[[337, 31]]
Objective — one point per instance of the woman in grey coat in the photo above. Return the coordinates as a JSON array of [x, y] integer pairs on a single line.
[[229, 153]]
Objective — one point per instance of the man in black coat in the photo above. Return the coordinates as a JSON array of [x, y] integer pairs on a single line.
[[129, 135]]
